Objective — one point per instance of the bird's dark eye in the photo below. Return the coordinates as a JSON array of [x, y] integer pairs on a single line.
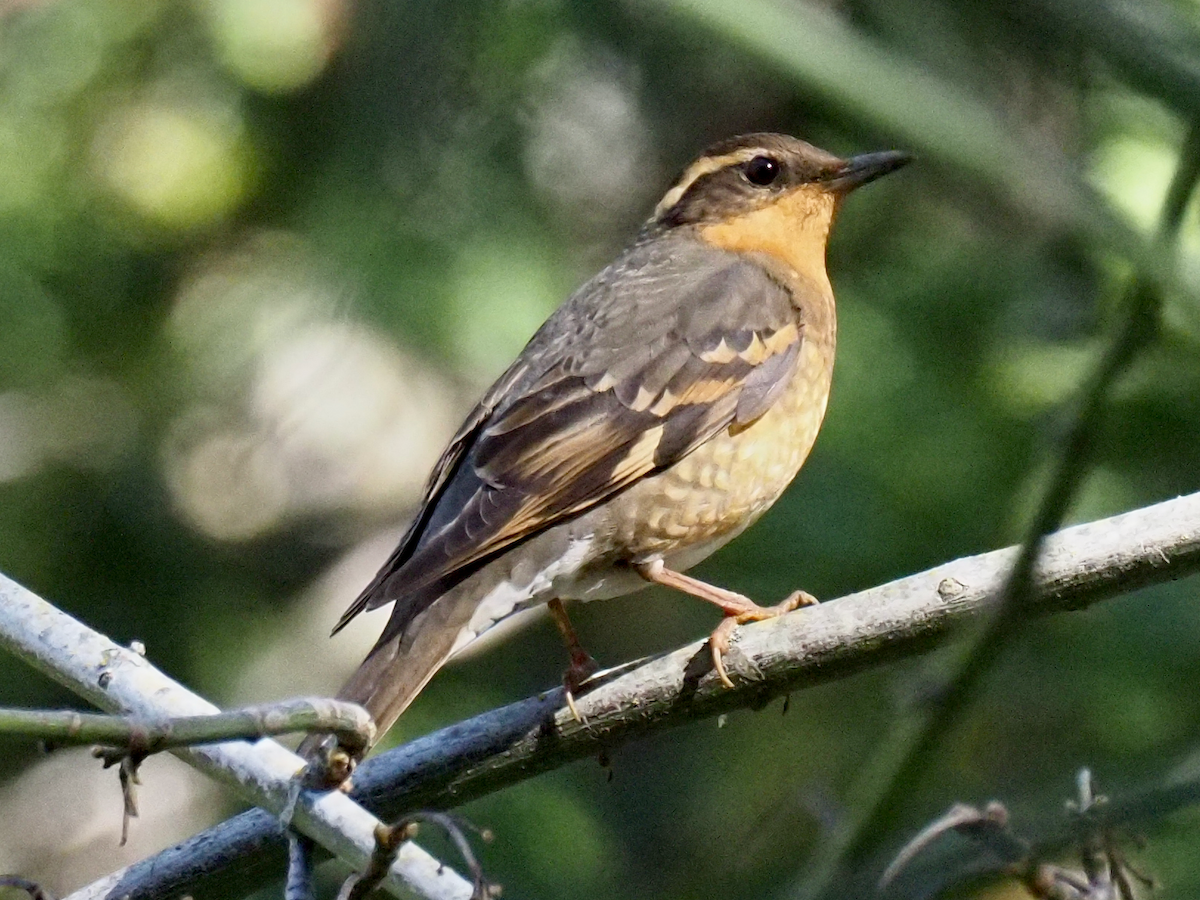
[[762, 170]]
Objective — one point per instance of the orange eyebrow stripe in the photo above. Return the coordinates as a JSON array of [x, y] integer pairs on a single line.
[[704, 166]]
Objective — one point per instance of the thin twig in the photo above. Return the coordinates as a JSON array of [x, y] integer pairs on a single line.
[[1104, 871], [388, 840], [990, 823], [129, 784], [454, 826], [348, 721], [906, 752], [299, 882]]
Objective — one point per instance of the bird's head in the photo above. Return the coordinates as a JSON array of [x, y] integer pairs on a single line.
[[769, 193]]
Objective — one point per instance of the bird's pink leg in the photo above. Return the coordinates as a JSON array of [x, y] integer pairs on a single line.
[[737, 608]]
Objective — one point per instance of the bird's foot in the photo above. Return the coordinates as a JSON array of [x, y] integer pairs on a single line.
[[581, 669], [582, 665], [740, 610]]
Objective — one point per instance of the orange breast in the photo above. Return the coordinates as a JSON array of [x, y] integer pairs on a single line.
[[722, 487]]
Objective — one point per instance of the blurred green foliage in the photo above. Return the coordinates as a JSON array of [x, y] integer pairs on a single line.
[[257, 255]]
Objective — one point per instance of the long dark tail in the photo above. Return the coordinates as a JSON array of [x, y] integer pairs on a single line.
[[395, 671]]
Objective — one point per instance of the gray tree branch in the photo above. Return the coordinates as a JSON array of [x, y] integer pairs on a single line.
[[117, 679], [1079, 566]]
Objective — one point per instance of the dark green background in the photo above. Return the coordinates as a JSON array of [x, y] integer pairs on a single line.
[[188, 190]]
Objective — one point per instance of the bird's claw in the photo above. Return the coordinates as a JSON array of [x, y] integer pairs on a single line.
[[795, 600], [581, 669], [719, 644], [722, 635]]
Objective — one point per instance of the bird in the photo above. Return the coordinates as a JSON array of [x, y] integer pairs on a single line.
[[653, 417]]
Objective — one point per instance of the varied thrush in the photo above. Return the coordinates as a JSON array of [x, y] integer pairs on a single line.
[[654, 416]]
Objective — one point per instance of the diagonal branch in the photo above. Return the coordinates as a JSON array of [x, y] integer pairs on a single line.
[[118, 679], [1079, 566]]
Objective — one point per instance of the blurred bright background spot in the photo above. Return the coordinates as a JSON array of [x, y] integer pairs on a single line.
[[1135, 172], [274, 45], [177, 167]]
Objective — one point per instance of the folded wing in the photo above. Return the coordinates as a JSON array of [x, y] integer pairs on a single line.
[[626, 378]]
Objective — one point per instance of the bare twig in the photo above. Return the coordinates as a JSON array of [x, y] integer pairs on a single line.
[[132, 739], [454, 827], [348, 721], [299, 882], [388, 839], [1104, 872], [1080, 566], [989, 825], [129, 783]]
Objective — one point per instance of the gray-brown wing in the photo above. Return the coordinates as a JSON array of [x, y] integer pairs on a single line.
[[668, 346], [443, 471]]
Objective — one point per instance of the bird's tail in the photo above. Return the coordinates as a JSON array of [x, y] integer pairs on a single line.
[[396, 669]]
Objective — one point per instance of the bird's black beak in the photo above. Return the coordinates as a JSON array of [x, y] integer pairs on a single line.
[[858, 170]]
